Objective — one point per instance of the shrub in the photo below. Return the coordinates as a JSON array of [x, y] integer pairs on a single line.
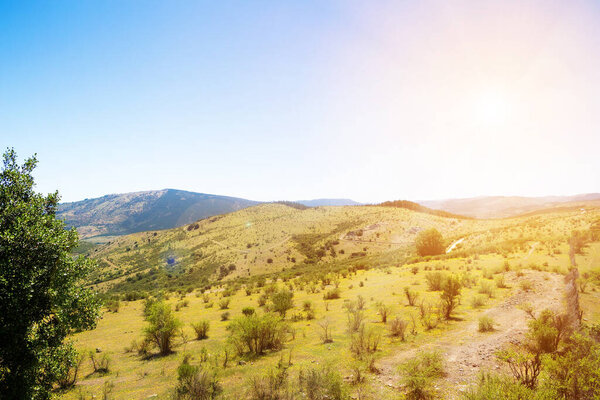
[[325, 333], [420, 373], [486, 324], [486, 288], [355, 319], [525, 285], [225, 316], [255, 334], [224, 304], [411, 296], [196, 382], [282, 301], [360, 302], [478, 301], [500, 282], [162, 328], [201, 329], [307, 305], [429, 318], [100, 364], [332, 294], [450, 296], [364, 341], [414, 270], [262, 299], [247, 311], [546, 332], [383, 310], [398, 328], [272, 386], [319, 384], [524, 366], [435, 280], [497, 387], [113, 306], [429, 243], [576, 373]]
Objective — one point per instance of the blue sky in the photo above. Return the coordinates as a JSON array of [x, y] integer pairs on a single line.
[[293, 100]]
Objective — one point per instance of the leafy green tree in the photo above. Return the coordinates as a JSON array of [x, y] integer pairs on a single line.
[[429, 242], [163, 327], [43, 298], [282, 301]]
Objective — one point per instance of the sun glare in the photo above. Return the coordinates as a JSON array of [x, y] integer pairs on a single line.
[[492, 108]]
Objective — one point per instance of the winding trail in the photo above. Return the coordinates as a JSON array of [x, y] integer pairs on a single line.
[[466, 351]]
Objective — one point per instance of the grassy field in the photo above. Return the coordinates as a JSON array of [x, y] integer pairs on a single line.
[[500, 263]]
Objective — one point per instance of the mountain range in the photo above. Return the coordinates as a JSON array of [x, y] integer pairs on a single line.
[[121, 214]]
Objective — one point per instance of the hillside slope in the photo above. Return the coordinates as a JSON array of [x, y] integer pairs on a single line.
[[274, 237], [507, 206], [119, 214]]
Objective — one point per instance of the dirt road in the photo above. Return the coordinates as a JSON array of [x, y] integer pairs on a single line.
[[466, 351]]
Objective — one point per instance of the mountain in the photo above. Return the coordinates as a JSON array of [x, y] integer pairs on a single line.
[[119, 214], [409, 205], [328, 202], [507, 206]]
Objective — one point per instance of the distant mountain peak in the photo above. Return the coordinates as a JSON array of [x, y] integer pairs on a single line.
[[124, 213]]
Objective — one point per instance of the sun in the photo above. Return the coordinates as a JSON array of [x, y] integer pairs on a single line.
[[491, 107]]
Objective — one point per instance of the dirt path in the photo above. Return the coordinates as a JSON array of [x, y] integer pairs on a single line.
[[454, 244], [466, 351]]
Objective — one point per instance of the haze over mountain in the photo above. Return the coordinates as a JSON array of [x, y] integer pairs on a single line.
[[119, 214], [328, 202], [506, 206]]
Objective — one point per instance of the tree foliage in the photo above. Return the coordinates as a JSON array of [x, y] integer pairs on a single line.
[[429, 242], [42, 296], [282, 301], [163, 327]]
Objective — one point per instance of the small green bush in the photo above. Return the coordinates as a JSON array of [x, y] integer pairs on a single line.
[[224, 303], [420, 373], [332, 294], [196, 382], [256, 334], [201, 329], [486, 324]]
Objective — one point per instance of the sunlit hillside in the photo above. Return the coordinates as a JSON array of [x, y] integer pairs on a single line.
[[333, 259], [275, 237]]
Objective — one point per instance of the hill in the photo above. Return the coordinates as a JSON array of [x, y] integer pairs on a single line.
[[409, 205], [506, 206], [274, 237], [120, 214], [342, 264]]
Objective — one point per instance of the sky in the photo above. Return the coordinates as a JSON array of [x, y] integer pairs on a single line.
[[272, 100]]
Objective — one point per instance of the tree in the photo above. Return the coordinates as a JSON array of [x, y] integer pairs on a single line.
[[163, 327], [282, 301], [41, 286], [429, 242]]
